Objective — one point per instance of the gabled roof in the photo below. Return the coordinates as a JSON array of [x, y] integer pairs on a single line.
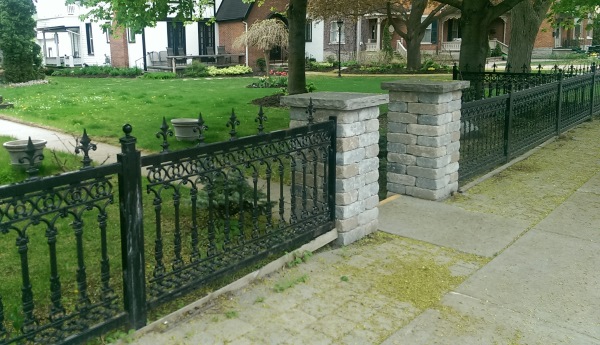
[[233, 10]]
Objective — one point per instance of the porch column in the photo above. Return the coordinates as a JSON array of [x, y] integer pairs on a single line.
[[378, 33], [357, 165], [424, 137]]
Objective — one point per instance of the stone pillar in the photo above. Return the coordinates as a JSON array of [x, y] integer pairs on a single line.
[[357, 165], [423, 137]]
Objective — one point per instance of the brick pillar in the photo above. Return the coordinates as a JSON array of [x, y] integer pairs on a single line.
[[423, 137], [357, 164]]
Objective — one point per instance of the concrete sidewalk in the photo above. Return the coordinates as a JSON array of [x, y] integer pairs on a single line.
[[437, 273]]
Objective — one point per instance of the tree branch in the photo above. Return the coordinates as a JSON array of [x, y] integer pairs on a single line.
[[454, 3]]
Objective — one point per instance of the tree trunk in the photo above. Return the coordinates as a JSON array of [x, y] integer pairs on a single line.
[[413, 53], [596, 32], [267, 54], [296, 14], [526, 19], [474, 46]]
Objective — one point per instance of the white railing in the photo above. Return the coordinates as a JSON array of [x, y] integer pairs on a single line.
[[372, 45], [503, 46], [400, 49], [452, 46]]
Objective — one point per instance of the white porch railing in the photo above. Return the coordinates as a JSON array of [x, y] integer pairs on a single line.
[[452, 46], [372, 45], [400, 49], [503, 46]]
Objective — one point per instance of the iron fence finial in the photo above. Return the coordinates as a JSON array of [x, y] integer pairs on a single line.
[[233, 122], [31, 159], [261, 119], [85, 145], [200, 129], [164, 133]]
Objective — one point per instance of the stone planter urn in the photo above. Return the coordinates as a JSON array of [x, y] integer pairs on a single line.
[[17, 149], [185, 129]]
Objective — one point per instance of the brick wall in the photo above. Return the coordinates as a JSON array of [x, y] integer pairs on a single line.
[[544, 37], [119, 52]]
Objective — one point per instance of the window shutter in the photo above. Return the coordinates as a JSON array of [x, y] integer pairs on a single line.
[[434, 31]]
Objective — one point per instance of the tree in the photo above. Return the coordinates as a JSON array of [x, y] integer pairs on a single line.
[[526, 19], [405, 16], [22, 59], [138, 14], [264, 35], [410, 15], [568, 13], [475, 20]]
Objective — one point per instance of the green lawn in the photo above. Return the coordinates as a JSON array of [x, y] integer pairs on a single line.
[[103, 105]]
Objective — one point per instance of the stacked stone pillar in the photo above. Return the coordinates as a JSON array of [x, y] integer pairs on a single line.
[[357, 165], [423, 137]]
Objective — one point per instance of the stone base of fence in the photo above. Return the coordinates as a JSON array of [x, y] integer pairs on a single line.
[[423, 137], [357, 164]]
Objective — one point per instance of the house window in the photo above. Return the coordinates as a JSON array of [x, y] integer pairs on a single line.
[[75, 44], [430, 33], [334, 33], [454, 29], [308, 31], [577, 31], [106, 31], [130, 35], [89, 38]]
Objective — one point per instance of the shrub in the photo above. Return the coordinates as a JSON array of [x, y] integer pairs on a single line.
[[98, 71], [320, 66], [261, 64], [429, 66], [196, 70], [232, 70], [270, 82], [160, 75]]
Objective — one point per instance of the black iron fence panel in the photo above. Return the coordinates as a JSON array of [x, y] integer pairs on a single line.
[[488, 84], [596, 93], [60, 249], [532, 118], [208, 210], [498, 129], [576, 100], [220, 206], [482, 135]]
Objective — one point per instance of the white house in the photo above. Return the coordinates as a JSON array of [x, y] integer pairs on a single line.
[[66, 40]]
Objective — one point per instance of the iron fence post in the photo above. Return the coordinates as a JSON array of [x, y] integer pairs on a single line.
[[508, 123], [559, 103], [132, 231], [454, 72], [593, 90]]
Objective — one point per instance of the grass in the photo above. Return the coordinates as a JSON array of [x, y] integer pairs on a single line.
[[103, 105]]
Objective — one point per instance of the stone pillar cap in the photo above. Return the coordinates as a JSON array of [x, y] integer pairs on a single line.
[[336, 100], [429, 86]]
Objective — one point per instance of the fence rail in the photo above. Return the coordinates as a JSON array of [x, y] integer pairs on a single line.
[[96, 249], [488, 84], [497, 129]]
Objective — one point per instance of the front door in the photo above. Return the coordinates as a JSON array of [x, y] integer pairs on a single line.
[[175, 38], [557, 37], [206, 38]]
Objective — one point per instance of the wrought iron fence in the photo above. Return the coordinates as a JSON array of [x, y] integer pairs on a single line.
[[497, 129], [98, 248], [487, 84]]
